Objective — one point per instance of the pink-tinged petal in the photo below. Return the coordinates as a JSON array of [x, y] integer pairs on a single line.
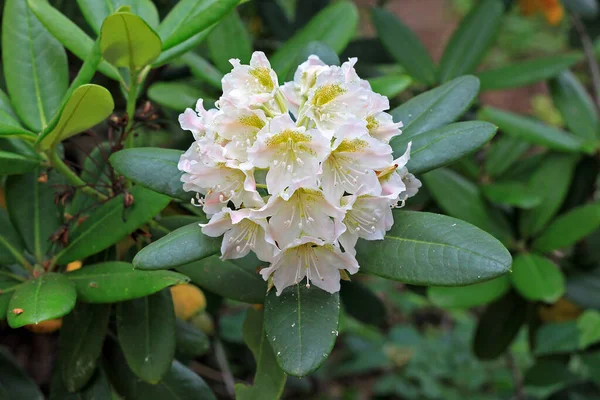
[[218, 224], [189, 121]]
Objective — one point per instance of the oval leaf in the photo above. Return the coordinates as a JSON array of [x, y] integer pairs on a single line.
[[469, 296], [46, 297], [503, 153], [111, 282], [430, 249], [302, 326], [537, 278]]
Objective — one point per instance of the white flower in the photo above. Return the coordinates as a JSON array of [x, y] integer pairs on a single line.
[[305, 78], [396, 182], [382, 126], [239, 126], [291, 153], [243, 233], [309, 257], [199, 121]]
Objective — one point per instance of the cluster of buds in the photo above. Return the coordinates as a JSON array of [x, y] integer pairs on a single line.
[[296, 173]]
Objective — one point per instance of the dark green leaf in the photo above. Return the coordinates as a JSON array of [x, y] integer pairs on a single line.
[[269, 379], [46, 297], [390, 85], [95, 12], [471, 41], [537, 278], [202, 69], [430, 249], [320, 49], [35, 66], [111, 222], [582, 288], [11, 244], [469, 296], [503, 153], [561, 337], [360, 302], [404, 45], [302, 326], [588, 9], [81, 339], [13, 163], [527, 72], [190, 342], [7, 288], [15, 384], [97, 388], [229, 39], [549, 375], [511, 194], [177, 95]]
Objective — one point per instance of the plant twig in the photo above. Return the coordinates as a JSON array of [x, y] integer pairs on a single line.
[[588, 50], [228, 378], [517, 378], [62, 168]]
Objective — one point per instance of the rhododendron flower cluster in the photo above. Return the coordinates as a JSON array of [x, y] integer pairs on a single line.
[[296, 173]]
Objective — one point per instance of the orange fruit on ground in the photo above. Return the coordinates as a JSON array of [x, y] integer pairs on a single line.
[[188, 300], [45, 327]]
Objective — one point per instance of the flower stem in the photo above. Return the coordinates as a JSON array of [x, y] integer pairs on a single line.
[[62, 168], [280, 102]]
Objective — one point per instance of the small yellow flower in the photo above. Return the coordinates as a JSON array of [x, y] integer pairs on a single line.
[[552, 9]]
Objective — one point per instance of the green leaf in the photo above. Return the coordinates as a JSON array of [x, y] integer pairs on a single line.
[[527, 72], [153, 168], [11, 244], [95, 12], [46, 297], [15, 384], [469, 296], [582, 288], [511, 194], [320, 49], [146, 330], [269, 379], [471, 41], [537, 278], [229, 39], [195, 21], [88, 106], [13, 163], [550, 181], [7, 288], [31, 208], [190, 341], [499, 325], [9, 122], [503, 153], [232, 279], [177, 95], [322, 29], [575, 105], [361, 303], [69, 34], [404, 45], [128, 41], [437, 107], [589, 328], [390, 85], [174, 52], [462, 199], [202, 69], [98, 388], [442, 146], [182, 246], [81, 338], [111, 282], [111, 222], [569, 228], [35, 66], [430, 249], [302, 326], [536, 132], [553, 338]]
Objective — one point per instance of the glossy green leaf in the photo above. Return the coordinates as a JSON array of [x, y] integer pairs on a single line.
[[178, 50], [302, 326], [31, 208], [81, 338], [575, 105], [503, 153], [146, 331], [511, 194], [462, 199], [11, 244], [390, 85], [128, 41], [320, 28], [232, 279], [229, 39], [7, 288], [15, 384], [37, 78], [469, 296], [569, 228], [536, 132], [537, 278], [471, 41], [13, 163], [177, 95], [499, 325], [442, 146], [88, 106], [182, 246], [269, 379], [69, 34], [111, 282], [95, 12], [431, 249], [361, 303], [153, 168], [9, 122], [437, 107], [46, 297], [527, 72], [404, 45], [202, 69], [111, 222], [550, 181]]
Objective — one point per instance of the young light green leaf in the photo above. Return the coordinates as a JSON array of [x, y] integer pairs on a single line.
[[471, 41], [301, 327], [469, 296], [15, 383], [511, 194], [229, 39], [430, 249], [202, 69], [404, 45], [527, 72], [503, 153], [269, 379], [537, 278], [111, 282], [390, 85], [88, 105], [46, 297], [95, 12], [320, 28], [37, 78], [177, 95]]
